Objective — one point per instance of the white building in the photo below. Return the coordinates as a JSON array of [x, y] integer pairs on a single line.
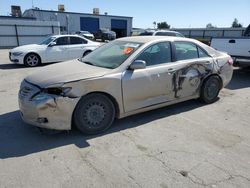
[[71, 22]]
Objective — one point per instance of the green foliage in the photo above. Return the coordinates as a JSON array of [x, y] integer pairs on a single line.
[[236, 23], [209, 25], [163, 25]]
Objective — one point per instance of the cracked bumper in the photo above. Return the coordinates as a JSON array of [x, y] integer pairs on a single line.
[[56, 110]]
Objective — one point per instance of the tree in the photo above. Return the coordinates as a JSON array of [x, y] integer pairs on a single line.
[[163, 25], [154, 23], [236, 23], [209, 25]]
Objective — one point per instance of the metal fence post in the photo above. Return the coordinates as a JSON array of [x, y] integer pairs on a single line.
[[52, 27], [17, 38]]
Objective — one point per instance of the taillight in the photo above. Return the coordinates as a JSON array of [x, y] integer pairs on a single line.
[[230, 61]]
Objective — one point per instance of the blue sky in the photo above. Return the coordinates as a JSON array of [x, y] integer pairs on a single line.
[[178, 13]]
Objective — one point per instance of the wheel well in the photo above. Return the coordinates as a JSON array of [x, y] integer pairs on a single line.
[[117, 110], [87, 51], [32, 53], [221, 82]]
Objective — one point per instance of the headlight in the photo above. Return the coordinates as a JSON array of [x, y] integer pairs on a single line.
[[17, 53]]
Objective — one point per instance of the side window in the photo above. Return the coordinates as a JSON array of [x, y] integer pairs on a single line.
[[165, 34], [62, 41], [179, 35], [156, 54], [185, 50], [202, 53], [77, 40]]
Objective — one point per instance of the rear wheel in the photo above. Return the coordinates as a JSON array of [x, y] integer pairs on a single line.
[[94, 113], [210, 89], [32, 60]]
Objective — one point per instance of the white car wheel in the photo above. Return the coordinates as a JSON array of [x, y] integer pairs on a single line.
[[32, 60]]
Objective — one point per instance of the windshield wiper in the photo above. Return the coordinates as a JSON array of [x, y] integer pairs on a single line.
[[87, 62]]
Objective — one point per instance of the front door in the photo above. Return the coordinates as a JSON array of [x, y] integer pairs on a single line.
[[152, 85], [58, 52]]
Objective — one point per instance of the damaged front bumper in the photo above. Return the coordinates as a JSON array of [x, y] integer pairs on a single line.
[[50, 111]]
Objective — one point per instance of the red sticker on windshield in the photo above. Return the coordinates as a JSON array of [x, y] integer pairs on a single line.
[[128, 50]]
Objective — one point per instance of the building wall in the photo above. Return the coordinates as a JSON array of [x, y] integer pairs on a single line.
[[15, 32], [213, 32], [72, 21]]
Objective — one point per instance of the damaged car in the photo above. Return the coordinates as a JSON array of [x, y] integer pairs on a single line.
[[124, 77]]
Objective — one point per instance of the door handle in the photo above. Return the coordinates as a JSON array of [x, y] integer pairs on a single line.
[[171, 70], [207, 63]]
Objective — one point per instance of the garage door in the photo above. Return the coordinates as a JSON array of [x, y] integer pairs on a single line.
[[120, 27], [89, 24], [118, 24]]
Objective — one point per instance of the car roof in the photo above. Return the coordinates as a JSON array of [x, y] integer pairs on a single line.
[[151, 39], [66, 35], [146, 39]]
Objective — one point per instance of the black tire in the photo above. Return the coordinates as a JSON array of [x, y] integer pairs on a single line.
[[103, 39], [94, 114], [210, 89], [86, 53], [32, 60]]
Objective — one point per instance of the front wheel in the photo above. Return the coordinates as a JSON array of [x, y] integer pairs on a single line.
[[210, 89], [94, 113], [32, 60]]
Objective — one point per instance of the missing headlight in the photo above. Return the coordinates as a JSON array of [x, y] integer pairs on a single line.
[[57, 91]]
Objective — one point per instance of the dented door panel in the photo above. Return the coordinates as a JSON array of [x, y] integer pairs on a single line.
[[188, 75]]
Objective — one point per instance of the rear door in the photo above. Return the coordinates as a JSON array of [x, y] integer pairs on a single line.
[[76, 47], [191, 65]]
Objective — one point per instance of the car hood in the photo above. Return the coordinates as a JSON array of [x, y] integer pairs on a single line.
[[65, 72], [28, 47]]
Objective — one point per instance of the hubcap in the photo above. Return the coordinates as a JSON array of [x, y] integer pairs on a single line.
[[94, 114], [32, 60]]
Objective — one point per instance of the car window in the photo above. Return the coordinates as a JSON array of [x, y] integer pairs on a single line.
[[77, 40], [179, 35], [62, 41], [202, 53], [165, 34], [185, 50], [156, 54]]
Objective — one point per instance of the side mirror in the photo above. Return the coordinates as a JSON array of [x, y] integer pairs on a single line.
[[138, 64], [52, 44]]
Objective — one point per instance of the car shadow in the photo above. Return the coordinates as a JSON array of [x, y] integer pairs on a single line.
[[16, 66], [11, 66], [19, 139], [241, 79]]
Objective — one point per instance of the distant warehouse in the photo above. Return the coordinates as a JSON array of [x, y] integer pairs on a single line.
[[71, 22]]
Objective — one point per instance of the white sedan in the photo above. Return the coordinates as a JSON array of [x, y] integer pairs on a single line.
[[54, 49]]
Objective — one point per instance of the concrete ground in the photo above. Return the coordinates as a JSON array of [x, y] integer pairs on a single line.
[[184, 145]]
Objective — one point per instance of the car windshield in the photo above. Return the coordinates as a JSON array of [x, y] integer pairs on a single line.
[[47, 41], [111, 55]]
